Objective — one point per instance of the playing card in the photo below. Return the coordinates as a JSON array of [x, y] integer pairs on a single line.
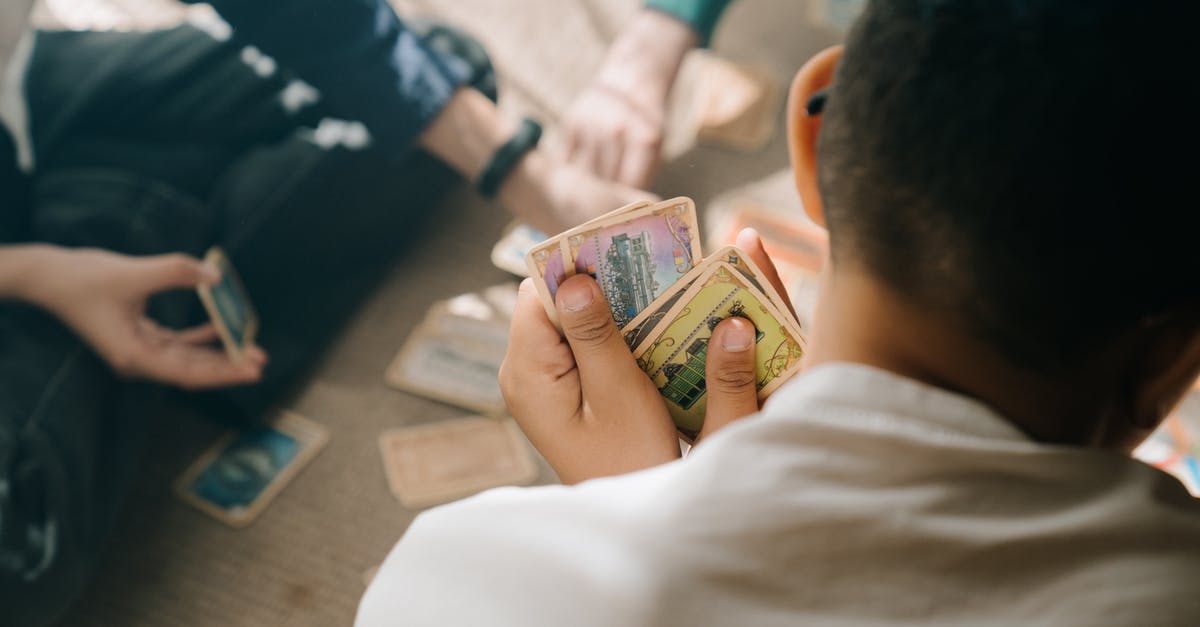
[[453, 359], [636, 254], [435, 463], [235, 479], [1175, 446], [509, 252], [636, 332], [673, 354], [229, 306], [739, 104]]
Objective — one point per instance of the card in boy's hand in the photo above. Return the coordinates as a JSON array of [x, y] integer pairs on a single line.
[[635, 253], [229, 306], [235, 479], [435, 463], [673, 353]]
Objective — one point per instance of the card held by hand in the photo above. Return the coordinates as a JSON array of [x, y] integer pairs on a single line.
[[673, 353], [228, 305], [635, 253]]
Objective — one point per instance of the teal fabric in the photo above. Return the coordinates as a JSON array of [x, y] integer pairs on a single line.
[[701, 15]]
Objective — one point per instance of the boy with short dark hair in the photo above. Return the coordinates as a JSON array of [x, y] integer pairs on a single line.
[[1012, 302]]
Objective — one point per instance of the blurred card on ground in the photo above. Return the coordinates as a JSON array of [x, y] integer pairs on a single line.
[[229, 306], [435, 463], [235, 479], [509, 253], [454, 357], [1175, 446], [673, 354], [738, 105], [636, 254]]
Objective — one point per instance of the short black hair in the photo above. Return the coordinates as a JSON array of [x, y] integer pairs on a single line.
[[1028, 166]]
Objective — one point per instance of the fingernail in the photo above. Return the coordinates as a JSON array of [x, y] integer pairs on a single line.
[[209, 273], [576, 299], [738, 337]]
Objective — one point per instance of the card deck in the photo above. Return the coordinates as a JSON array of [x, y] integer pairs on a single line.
[[673, 353], [229, 306], [235, 479], [635, 253], [637, 331], [435, 463]]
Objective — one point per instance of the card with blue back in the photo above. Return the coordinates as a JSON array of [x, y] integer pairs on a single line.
[[235, 479], [228, 305]]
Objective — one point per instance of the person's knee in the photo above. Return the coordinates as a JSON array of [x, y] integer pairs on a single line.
[[451, 41]]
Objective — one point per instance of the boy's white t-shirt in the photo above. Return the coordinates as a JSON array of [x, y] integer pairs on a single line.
[[857, 497]]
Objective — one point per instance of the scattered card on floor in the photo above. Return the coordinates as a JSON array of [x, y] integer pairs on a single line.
[[435, 463], [229, 306], [738, 105], [509, 252], [453, 359], [238, 476], [635, 253]]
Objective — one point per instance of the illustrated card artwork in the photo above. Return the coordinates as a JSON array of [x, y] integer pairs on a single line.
[[228, 305], [638, 256], [235, 479], [551, 262], [435, 463], [646, 321], [674, 353]]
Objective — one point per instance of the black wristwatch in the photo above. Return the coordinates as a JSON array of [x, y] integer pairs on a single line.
[[506, 157]]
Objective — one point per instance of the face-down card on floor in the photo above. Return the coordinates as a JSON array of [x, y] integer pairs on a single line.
[[237, 477], [439, 462]]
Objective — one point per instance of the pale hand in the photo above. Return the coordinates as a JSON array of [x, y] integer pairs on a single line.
[[615, 128], [554, 196], [102, 296]]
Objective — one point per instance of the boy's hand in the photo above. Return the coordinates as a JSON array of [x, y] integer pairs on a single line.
[[102, 297], [584, 402]]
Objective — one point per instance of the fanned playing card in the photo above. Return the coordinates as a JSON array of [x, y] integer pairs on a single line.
[[673, 353], [636, 254]]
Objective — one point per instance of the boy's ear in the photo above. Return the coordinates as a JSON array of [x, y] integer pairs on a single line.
[[803, 127]]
